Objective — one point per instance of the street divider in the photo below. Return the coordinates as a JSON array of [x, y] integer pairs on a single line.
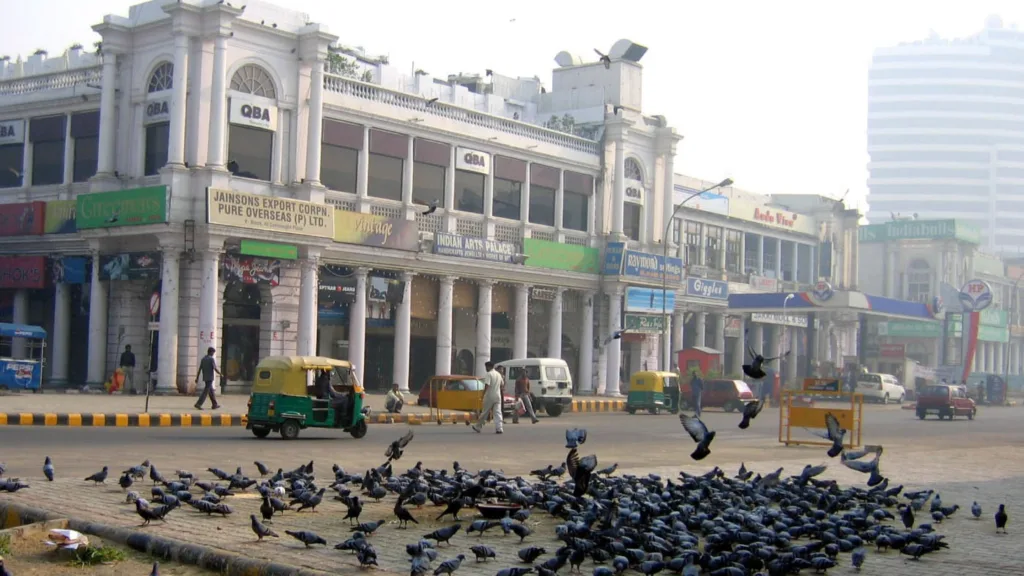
[[201, 420]]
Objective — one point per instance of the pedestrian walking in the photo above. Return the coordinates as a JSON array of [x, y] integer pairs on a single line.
[[494, 385], [696, 392], [207, 368], [523, 395], [394, 400], [127, 365]]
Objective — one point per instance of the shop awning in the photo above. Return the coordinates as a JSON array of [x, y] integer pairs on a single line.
[[837, 301], [21, 331]]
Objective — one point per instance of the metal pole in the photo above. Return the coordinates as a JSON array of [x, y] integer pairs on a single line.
[[664, 263], [1009, 337], [783, 342]]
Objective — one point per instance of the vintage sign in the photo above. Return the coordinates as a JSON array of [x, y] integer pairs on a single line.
[[779, 319], [975, 295], [559, 256], [131, 266], [269, 213], [644, 323], [22, 272], [634, 191], [650, 300], [12, 132], [156, 110], [251, 270], [133, 207], [22, 218], [474, 248], [764, 283], [60, 217], [248, 112], [711, 289], [472, 160], [377, 231]]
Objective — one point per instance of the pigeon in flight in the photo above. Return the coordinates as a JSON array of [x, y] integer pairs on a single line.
[[700, 434], [755, 369], [750, 411], [604, 59], [865, 467], [580, 469], [431, 208], [575, 437], [394, 451], [833, 432]]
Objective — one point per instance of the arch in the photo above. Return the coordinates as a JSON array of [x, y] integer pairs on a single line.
[[256, 79], [244, 315], [634, 169], [160, 77]]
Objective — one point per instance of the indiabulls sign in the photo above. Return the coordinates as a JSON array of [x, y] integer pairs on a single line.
[[774, 217], [22, 271]]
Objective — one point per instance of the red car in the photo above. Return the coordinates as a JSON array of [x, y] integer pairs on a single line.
[[729, 395], [458, 383], [946, 402]]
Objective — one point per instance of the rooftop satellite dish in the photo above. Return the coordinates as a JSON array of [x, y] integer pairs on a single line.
[[565, 59], [627, 50]]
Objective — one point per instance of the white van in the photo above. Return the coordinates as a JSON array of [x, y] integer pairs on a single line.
[[550, 382], [882, 388]]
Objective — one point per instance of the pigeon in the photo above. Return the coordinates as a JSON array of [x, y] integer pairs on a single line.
[[403, 514], [444, 534], [306, 537], [531, 553], [450, 565], [125, 481], [260, 530], [514, 571], [48, 469], [750, 411], [609, 470], [154, 572], [580, 469], [394, 451], [858, 454], [907, 517], [368, 528], [833, 433], [574, 437], [99, 477], [700, 434], [483, 552], [367, 556], [262, 468], [355, 508], [604, 59], [755, 368], [454, 505], [865, 467], [857, 559], [155, 476], [1001, 519], [431, 208], [976, 510], [521, 530]]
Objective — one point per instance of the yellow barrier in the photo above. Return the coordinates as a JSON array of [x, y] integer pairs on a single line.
[[793, 414]]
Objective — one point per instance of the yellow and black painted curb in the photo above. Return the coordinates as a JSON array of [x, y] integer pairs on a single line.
[[200, 420]]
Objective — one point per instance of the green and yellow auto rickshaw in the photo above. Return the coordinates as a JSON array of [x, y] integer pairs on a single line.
[[653, 391], [291, 393]]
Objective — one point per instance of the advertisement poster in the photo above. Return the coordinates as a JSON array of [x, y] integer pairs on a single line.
[[251, 270], [132, 266]]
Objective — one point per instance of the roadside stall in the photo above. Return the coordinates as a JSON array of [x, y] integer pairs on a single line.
[[22, 353]]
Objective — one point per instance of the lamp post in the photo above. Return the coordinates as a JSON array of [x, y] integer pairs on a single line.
[[785, 325], [1009, 335], [664, 269]]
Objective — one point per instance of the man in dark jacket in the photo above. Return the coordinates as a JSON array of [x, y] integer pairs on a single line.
[[127, 365], [207, 368]]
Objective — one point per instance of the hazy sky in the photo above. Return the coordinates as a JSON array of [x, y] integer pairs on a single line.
[[772, 94]]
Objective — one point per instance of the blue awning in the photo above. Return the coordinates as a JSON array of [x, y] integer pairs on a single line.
[[837, 301], [21, 331]]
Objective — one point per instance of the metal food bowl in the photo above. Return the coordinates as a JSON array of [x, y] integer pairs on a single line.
[[497, 511]]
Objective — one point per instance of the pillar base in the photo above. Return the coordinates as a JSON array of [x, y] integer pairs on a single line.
[[613, 395], [311, 192]]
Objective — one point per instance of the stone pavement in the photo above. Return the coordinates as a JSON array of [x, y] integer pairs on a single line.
[[990, 475]]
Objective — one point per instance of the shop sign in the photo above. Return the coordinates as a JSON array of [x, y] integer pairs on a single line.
[[133, 207], [474, 248], [613, 253], [60, 217], [909, 329], [634, 191], [12, 132], [543, 294], [772, 217], [269, 213], [920, 230], [764, 283], [22, 271], [733, 327], [892, 350], [338, 289], [71, 270], [711, 289], [644, 323], [633, 264], [248, 112], [377, 231], [156, 110], [472, 160], [22, 218], [131, 266], [975, 295], [558, 256], [251, 270], [705, 202], [649, 300], [268, 250], [822, 291], [779, 319], [383, 289]]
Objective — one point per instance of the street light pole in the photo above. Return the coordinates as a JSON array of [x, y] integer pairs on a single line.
[[665, 363]]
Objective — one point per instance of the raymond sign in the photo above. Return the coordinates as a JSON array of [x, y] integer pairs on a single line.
[[22, 219], [22, 271], [270, 214]]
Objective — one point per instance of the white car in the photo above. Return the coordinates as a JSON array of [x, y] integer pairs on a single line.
[[883, 388]]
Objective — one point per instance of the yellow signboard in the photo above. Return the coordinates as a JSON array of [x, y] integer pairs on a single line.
[[269, 214]]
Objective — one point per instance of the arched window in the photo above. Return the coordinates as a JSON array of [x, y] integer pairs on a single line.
[[162, 78], [919, 281], [633, 171], [632, 211], [253, 79]]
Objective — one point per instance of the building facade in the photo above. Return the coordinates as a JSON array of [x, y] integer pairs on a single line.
[[946, 133]]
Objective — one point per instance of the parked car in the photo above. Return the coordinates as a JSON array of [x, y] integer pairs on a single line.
[[456, 383], [883, 388], [729, 395], [550, 382], [946, 402]]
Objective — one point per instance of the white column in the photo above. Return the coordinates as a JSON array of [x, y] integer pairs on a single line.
[[403, 334], [218, 105], [524, 198], [618, 194], [778, 259], [443, 360], [105, 165], [209, 312], [739, 351], [277, 151], [316, 122], [20, 316], [357, 326], [586, 368], [792, 360], [560, 201], [407, 168], [483, 325], [489, 192], [179, 90], [614, 347], [719, 320], [69, 152], [700, 329], [363, 172], [521, 329], [668, 194], [796, 262], [760, 256], [308, 293], [666, 345], [678, 341], [60, 351], [167, 350], [756, 338], [97, 325], [1000, 363], [555, 327]]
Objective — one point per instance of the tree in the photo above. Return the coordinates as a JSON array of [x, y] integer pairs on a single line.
[[342, 66]]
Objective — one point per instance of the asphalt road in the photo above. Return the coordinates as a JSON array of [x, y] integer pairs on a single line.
[[637, 442]]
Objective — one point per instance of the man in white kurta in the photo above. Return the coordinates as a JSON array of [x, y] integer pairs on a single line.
[[494, 387]]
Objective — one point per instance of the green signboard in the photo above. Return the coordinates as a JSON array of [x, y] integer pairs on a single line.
[[558, 256], [644, 323], [909, 329], [134, 207], [920, 230], [269, 250]]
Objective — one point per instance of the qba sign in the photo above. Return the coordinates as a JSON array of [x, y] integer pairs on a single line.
[[246, 112], [156, 111], [634, 191], [472, 161], [12, 132]]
